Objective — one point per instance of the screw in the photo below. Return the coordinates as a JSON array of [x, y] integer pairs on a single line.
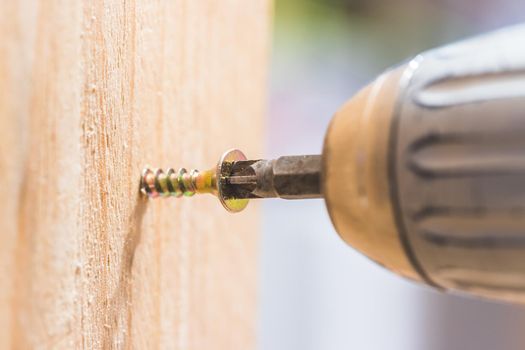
[[157, 183]]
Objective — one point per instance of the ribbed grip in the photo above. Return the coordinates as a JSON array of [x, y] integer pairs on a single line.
[[457, 165]]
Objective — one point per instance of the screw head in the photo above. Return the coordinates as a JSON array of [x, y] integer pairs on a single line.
[[223, 170]]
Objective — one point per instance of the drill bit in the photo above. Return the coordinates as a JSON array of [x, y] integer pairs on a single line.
[[235, 180], [288, 177]]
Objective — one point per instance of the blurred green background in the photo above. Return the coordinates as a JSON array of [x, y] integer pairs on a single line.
[[316, 292]]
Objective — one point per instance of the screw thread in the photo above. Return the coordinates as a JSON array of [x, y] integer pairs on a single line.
[[157, 183]]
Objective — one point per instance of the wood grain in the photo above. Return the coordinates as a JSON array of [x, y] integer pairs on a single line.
[[90, 93]]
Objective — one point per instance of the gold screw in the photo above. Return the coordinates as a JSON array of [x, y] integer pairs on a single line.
[[157, 183]]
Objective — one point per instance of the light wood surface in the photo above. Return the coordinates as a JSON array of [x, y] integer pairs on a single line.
[[90, 93]]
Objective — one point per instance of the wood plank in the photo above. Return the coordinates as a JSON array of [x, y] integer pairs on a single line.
[[90, 93]]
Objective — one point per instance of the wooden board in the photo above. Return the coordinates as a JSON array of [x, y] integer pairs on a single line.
[[90, 93]]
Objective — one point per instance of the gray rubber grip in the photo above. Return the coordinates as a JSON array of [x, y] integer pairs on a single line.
[[457, 165]]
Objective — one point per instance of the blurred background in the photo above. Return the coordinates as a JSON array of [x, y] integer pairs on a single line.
[[316, 292]]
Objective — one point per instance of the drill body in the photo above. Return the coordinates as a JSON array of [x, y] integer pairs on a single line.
[[424, 169]]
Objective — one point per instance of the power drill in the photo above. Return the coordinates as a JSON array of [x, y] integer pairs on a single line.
[[423, 170]]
